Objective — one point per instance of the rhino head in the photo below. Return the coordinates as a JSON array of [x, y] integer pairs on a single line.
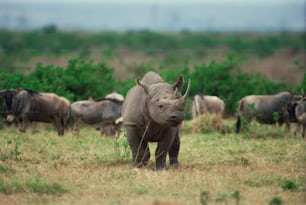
[[165, 104]]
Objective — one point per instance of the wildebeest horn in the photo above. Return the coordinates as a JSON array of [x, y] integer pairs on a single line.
[[2, 92], [187, 91]]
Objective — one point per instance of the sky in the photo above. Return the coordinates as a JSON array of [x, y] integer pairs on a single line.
[[156, 1], [168, 15]]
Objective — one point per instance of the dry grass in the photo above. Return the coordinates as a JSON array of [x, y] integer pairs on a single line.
[[89, 169], [209, 123]]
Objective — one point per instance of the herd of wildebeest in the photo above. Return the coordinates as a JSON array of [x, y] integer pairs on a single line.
[[152, 111]]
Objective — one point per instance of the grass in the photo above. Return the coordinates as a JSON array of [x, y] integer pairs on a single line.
[[265, 165]]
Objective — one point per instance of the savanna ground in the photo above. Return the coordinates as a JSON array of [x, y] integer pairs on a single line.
[[262, 165]]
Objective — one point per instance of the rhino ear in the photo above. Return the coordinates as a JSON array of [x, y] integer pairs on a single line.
[[179, 84], [144, 85]]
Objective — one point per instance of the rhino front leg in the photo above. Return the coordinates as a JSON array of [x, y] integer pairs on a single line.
[[140, 149], [163, 148], [174, 151]]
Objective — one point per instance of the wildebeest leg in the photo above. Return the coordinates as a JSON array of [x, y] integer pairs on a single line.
[[304, 129], [113, 129], [297, 129], [174, 151], [163, 148], [59, 125], [33, 124], [140, 149], [102, 130], [118, 129], [76, 125], [21, 124]]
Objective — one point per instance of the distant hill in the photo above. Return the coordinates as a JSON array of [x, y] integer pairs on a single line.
[[158, 17]]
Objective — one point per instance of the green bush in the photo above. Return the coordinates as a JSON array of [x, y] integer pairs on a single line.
[[227, 81], [289, 185], [79, 80]]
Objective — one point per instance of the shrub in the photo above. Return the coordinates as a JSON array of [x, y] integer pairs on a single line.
[[289, 185]]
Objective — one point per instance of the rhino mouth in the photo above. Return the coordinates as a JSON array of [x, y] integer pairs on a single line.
[[175, 122]]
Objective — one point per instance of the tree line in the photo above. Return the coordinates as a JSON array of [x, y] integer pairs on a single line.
[[82, 79]]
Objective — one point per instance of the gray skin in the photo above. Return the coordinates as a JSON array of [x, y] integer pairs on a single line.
[[263, 108], [202, 104], [29, 106], [300, 114], [152, 112], [103, 111]]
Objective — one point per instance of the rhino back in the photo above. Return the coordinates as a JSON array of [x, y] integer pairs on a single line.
[[133, 110], [152, 78]]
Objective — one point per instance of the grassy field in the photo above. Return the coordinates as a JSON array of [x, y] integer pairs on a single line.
[[265, 165]]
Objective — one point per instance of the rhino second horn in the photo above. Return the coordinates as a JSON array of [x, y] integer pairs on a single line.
[[175, 91], [184, 97]]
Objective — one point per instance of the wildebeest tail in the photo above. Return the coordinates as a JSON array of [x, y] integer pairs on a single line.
[[238, 122], [63, 121]]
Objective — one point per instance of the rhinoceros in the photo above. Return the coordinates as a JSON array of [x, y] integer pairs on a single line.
[[153, 111]]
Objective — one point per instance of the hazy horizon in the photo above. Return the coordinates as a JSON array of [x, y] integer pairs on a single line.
[[167, 16]]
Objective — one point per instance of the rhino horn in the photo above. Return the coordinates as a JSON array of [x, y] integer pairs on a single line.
[[176, 92], [184, 97]]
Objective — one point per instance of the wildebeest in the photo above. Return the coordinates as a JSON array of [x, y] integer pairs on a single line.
[[31, 106], [152, 112], [300, 114], [7, 95], [202, 104], [113, 129], [266, 109], [115, 95], [101, 111]]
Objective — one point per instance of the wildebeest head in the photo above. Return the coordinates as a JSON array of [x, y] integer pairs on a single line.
[[8, 96], [295, 99], [165, 103]]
